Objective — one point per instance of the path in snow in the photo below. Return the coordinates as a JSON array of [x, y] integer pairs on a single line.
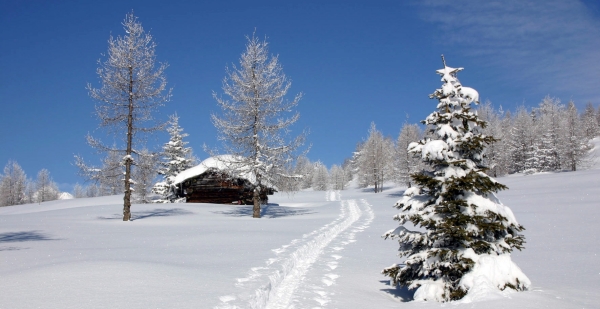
[[302, 272]]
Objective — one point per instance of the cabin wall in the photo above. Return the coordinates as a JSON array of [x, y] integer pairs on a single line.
[[216, 188]]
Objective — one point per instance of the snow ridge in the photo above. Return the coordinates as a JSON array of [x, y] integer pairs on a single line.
[[289, 273]]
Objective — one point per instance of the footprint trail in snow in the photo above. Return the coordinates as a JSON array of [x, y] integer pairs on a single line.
[[302, 273]]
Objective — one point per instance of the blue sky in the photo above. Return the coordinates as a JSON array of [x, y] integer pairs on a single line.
[[354, 61]]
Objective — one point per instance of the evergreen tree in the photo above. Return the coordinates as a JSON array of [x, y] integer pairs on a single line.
[[465, 224], [176, 157]]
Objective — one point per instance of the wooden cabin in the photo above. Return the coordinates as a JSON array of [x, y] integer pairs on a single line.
[[209, 182]]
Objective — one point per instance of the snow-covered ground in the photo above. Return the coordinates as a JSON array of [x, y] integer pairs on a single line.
[[310, 250]]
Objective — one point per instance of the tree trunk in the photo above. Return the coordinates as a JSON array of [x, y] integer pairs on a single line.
[[256, 200], [128, 160]]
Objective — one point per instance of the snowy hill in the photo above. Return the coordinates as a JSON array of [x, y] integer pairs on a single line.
[[310, 250]]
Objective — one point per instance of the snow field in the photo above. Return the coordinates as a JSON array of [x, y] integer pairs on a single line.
[[78, 254], [301, 271]]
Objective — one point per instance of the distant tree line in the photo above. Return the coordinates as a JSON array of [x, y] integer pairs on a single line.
[[549, 137], [17, 189]]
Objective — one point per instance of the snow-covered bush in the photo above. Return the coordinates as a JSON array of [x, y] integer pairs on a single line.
[[466, 235]]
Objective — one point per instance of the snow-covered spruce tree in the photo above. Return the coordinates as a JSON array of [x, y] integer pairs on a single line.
[[253, 126], [132, 89], [468, 233], [176, 157]]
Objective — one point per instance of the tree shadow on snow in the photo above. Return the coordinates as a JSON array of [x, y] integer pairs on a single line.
[[372, 189], [158, 212], [401, 293], [397, 194], [11, 248], [266, 211], [21, 237]]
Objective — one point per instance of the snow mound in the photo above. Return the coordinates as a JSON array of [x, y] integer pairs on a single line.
[[65, 196], [491, 275]]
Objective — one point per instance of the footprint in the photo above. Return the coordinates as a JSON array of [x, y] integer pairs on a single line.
[[321, 301], [321, 293], [227, 298]]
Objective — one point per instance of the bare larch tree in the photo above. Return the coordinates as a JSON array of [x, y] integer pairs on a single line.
[[132, 88], [253, 126]]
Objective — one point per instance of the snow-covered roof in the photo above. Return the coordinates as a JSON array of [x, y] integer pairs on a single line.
[[220, 163]]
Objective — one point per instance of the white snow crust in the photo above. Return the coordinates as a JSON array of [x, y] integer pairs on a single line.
[[489, 275], [310, 250]]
